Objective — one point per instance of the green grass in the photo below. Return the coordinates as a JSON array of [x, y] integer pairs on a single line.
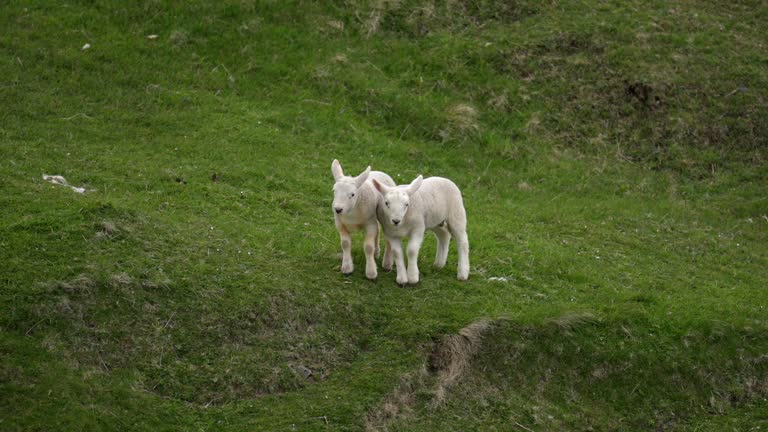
[[613, 161]]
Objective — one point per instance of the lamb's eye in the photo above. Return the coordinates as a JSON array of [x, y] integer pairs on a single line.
[[406, 204], [386, 203], [352, 195]]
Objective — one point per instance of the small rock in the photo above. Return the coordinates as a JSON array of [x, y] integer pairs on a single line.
[[302, 370]]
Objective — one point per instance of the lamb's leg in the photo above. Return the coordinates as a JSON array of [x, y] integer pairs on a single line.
[[414, 244], [443, 242], [386, 263], [457, 224], [377, 253], [397, 254], [347, 266], [371, 237], [462, 246]]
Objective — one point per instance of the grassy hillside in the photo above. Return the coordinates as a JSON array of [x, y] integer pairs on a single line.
[[612, 156]]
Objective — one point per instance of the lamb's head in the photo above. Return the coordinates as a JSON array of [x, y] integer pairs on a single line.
[[397, 199], [345, 189]]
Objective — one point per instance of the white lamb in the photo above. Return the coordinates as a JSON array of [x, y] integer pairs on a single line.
[[432, 204], [354, 205]]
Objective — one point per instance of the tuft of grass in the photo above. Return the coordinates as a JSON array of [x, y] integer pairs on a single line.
[[573, 321], [463, 121], [419, 18]]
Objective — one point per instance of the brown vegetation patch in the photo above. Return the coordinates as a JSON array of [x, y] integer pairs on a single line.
[[461, 123], [421, 17], [643, 93], [447, 362], [572, 321], [450, 359]]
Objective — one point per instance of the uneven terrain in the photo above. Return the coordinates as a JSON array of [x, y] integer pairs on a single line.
[[612, 157]]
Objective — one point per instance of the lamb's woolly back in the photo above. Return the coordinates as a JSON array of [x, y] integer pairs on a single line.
[[432, 200]]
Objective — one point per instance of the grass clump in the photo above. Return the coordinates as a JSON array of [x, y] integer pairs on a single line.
[[419, 18]]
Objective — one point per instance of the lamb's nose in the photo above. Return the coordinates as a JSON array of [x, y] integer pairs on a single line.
[[395, 221], [338, 210]]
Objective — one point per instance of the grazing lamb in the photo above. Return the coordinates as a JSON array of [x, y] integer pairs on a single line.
[[354, 205], [433, 204]]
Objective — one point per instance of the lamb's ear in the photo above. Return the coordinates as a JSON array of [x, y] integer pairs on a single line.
[[359, 180], [382, 189], [336, 170], [415, 185]]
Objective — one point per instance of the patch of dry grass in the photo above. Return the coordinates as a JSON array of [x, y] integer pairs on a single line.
[[420, 17], [461, 123], [449, 360], [452, 357], [572, 321]]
